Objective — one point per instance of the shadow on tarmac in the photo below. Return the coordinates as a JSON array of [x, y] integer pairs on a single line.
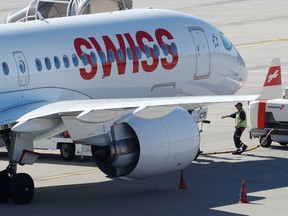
[[56, 159], [211, 184]]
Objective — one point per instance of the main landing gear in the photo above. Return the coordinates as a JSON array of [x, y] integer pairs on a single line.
[[19, 187]]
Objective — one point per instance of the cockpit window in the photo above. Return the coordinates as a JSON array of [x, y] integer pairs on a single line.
[[227, 44]]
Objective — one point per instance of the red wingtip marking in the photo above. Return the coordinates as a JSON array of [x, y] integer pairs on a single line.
[[273, 77]]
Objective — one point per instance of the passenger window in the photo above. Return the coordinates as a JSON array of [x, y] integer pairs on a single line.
[[48, 63], [156, 50], [93, 58], [174, 48], [75, 60], [138, 53], [84, 59], [111, 55], [38, 64], [129, 53], [56, 62], [66, 61], [102, 57], [5, 68], [165, 49], [120, 55], [147, 51], [22, 66]]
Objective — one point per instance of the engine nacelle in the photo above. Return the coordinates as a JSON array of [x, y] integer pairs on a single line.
[[142, 148]]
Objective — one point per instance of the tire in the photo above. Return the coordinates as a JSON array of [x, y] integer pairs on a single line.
[[21, 188], [283, 143], [266, 143], [5, 182], [67, 151]]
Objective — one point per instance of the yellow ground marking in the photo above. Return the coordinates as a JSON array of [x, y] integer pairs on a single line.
[[264, 42], [67, 175]]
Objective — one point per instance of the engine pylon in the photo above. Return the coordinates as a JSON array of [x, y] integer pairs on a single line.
[[182, 184], [243, 193]]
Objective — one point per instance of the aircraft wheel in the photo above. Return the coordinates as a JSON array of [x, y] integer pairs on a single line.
[[265, 143], [21, 188], [67, 151], [5, 182]]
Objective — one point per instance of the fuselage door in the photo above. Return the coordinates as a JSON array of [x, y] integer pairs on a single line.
[[202, 49], [22, 67]]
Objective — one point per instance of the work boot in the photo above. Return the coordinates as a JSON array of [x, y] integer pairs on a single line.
[[244, 148], [237, 152]]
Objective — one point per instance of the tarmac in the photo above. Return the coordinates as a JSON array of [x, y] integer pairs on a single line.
[[258, 29]]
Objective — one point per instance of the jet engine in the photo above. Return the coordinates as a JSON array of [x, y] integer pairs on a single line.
[[141, 148]]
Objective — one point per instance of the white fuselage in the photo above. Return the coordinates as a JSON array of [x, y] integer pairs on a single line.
[[125, 54]]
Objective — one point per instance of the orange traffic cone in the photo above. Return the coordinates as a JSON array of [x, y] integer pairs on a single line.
[[243, 193], [182, 184]]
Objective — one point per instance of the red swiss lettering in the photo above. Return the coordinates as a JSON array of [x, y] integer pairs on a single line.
[[119, 54], [160, 33], [78, 43], [110, 47], [140, 35], [133, 50]]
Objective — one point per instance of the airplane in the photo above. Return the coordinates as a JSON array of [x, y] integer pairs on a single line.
[[123, 82]]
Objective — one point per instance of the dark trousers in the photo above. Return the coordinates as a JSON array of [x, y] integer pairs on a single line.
[[237, 135]]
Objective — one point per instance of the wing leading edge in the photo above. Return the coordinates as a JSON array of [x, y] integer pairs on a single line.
[[96, 111]]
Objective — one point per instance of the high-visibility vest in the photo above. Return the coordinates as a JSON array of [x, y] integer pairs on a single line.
[[244, 123]]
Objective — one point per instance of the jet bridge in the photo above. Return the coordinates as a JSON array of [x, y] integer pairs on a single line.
[[44, 9]]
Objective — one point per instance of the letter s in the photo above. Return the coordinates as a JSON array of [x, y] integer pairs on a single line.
[[160, 33], [78, 43], [140, 35]]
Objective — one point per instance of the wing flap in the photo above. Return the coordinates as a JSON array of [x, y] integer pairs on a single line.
[[36, 125], [153, 112], [99, 116]]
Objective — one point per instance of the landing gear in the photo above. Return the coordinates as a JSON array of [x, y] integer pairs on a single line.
[[19, 187], [5, 182]]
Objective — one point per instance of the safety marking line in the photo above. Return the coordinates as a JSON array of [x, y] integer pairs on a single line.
[[256, 44], [67, 175], [230, 151], [264, 42]]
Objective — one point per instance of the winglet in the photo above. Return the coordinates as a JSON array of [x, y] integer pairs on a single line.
[[272, 87]]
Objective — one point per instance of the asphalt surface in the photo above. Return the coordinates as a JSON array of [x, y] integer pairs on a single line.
[[259, 31]]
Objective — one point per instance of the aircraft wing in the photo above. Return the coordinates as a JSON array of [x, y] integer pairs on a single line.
[[101, 110]]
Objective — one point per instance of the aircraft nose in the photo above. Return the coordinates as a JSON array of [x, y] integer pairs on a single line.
[[237, 73], [242, 71]]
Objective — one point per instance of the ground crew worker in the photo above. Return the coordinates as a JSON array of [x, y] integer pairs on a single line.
[[240, 125]]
